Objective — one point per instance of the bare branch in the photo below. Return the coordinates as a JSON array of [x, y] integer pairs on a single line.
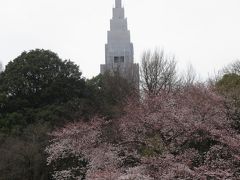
[[233, 68], [158, 72]]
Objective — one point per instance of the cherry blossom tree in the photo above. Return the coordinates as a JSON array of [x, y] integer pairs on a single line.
[[183, 134]]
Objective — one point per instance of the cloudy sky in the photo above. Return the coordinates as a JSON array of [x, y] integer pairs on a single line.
[[204, 33]]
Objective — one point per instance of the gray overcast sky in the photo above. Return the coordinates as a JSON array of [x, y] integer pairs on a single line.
[[205, 33]]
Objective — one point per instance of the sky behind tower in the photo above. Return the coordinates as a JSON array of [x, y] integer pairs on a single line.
[[205, 33]]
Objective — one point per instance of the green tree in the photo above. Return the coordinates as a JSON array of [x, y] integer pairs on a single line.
[[229, 86], [40, 77], [38, 91], [39, 86], [108, 93]]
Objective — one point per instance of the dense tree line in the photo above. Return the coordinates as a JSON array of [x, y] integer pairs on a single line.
[[179, 129], [40, 92], [56, 124]]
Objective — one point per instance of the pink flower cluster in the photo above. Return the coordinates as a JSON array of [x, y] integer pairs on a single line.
[[178, 135]]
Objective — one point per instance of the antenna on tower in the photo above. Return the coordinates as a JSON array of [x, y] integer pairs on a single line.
[[118, 3]]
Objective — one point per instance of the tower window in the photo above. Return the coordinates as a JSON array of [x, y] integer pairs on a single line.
[[118, 59]]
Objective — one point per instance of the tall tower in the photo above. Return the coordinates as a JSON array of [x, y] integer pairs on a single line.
[[119, 53]]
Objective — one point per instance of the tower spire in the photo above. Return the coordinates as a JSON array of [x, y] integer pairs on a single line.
[[118, 3], [119, 53]]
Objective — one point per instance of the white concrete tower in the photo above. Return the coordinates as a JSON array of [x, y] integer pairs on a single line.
[[119, 52]]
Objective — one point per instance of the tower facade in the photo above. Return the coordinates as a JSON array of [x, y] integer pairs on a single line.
[[119, 53]]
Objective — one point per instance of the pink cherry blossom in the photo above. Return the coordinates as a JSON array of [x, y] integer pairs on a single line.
[[184, 134]]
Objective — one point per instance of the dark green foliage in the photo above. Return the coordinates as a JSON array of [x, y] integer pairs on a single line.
[[38, 86], [38, 91], [22, 156], [229, 86], [154, 146], [39, 78], [109, 92], [55, 115]]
